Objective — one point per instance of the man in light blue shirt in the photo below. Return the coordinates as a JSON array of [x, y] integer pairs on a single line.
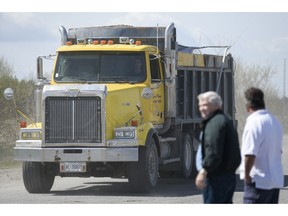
[[199, 155]]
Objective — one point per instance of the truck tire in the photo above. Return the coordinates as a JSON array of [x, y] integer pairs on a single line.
[[36, 177], [188, 156], [143, 175]]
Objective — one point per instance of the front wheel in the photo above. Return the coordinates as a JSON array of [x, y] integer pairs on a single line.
[[143, 175], [37, 177]]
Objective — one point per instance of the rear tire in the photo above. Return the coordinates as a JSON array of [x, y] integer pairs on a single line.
[[143, 175], [188, 156], [37, 177]]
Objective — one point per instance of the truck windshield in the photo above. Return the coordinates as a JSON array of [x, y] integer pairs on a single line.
[[93, 66]]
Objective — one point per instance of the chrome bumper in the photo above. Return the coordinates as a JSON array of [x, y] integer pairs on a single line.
[[76, 154]]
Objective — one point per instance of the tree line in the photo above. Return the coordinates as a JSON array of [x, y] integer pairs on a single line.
[[259, 76], [24, 98]]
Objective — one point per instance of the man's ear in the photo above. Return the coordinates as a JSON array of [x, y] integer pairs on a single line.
[[249, 108]]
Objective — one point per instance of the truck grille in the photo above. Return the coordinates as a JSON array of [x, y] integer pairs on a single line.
[[73, 120]]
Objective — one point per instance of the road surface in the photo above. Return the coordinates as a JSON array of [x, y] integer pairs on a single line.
[[73, 190]]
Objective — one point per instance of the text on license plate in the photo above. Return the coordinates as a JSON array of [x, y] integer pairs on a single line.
[[73, 167]]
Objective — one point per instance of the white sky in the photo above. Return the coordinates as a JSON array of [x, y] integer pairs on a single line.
[[257, 35]]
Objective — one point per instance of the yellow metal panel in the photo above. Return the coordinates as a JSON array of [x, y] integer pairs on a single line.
[[188, 59], [120, 106], [115, 47], [142, 131]]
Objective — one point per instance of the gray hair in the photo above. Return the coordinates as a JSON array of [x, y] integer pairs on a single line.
[[211, 97]]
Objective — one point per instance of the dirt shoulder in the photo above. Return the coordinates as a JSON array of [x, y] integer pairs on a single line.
[[8, 175]]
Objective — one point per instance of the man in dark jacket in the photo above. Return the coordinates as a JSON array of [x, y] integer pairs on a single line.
[[220, 151]]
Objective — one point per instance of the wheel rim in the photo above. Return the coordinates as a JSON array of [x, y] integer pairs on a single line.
[[187, 155]]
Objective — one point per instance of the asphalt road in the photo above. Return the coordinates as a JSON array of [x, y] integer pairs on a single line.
[[114, 191]]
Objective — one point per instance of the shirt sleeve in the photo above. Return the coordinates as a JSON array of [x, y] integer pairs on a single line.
[[251, 138]]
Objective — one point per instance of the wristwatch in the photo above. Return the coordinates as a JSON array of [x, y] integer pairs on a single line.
[[203, 172]]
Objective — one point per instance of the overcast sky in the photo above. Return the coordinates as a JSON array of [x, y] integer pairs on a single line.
[[256, 38]]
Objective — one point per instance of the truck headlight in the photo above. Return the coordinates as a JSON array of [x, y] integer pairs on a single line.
[[124, 133], [28, 134]]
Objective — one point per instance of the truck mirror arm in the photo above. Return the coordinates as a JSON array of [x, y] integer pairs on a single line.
[[159, 82], [138, 112], [24, 116], [9, 95], [170, 81]]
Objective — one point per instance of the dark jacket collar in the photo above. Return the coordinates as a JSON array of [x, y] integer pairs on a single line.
[[216, 112]]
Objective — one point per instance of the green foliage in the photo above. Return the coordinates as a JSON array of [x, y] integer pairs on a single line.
[[24, 99]]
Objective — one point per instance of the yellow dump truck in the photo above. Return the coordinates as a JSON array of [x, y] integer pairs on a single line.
[[122, 102]]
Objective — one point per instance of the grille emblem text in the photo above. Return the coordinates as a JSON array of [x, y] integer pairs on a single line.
[[73, 92]]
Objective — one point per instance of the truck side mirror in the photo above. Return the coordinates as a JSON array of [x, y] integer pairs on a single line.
[[8, 94], [147, 93], [39, 68]]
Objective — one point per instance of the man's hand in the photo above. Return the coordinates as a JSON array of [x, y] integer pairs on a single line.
[[249, 162], [200, 180]]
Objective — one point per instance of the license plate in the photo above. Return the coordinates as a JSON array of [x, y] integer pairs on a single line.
[[73, 167]]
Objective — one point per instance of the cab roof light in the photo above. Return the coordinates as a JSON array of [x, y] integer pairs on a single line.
[[110, 42], [138, 42], [69, 43], [103, 42], [95, 42]]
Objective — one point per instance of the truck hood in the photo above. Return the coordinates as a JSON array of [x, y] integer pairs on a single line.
[[121, 105], [119, 101]]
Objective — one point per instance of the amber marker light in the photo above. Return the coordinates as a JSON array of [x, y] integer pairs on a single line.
[[138, 42], [69, 43], [134, 123], [103, 42], [23, 124]]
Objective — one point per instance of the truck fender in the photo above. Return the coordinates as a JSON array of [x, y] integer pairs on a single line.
[[152, 134]]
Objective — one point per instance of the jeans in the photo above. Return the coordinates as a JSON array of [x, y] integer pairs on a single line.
[[219, 188], [254, 195]]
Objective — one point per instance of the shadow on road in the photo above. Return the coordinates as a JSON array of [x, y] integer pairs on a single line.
[[165, 188]]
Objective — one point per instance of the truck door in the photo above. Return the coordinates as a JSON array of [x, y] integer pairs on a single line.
[[157, 86]]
